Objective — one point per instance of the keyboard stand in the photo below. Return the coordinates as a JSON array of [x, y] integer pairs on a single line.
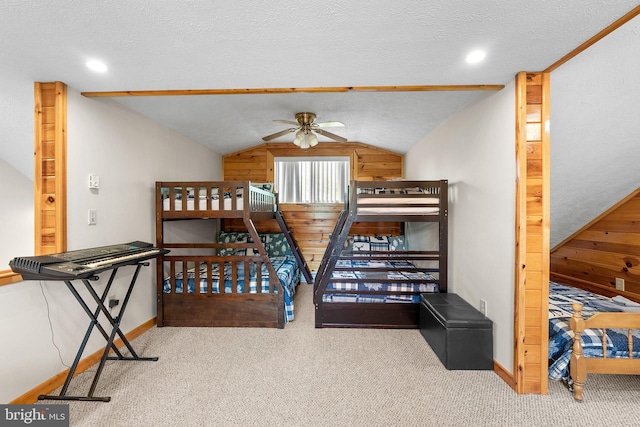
[[95, 323]]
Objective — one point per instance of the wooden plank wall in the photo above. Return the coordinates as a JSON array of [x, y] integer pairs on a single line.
[[605, 249], [311, 224], [50, 156], [532, 234]]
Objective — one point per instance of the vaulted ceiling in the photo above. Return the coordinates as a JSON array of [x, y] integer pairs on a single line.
[[204, 44]]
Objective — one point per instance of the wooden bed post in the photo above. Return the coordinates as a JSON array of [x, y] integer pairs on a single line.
[[159, 260], [443, 276], [578, 362]]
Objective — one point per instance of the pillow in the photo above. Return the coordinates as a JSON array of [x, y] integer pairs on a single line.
[[236, 237], [276, 244], [376, 243], [268, 186]]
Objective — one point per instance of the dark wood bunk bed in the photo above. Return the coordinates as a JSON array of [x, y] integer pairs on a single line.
[[346, 286], [207, 297]]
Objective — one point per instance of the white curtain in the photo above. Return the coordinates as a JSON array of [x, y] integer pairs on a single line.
[[311, 179]]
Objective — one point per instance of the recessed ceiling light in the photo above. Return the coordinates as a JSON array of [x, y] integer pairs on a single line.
[[97, 66], [476, 56]]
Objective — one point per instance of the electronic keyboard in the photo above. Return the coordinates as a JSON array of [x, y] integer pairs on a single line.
[[84, 263]]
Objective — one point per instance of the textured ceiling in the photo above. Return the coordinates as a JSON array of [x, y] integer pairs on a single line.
[[204, 44]]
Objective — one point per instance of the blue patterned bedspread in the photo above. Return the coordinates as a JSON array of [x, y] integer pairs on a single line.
[[358, 272], [286, 268], [561, 298]]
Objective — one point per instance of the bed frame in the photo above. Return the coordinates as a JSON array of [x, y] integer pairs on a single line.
[[365, 204], [219, 309], [580, 365]]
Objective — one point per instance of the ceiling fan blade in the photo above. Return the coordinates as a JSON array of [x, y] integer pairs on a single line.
[[278, 134], [330, 135], [327, 124], [287, 122]]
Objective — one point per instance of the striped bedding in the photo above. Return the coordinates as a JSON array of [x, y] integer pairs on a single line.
[[286, 268], [357, 271], [561, 298]]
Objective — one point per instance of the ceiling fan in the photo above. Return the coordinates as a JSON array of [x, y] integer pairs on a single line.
[[305, 129]]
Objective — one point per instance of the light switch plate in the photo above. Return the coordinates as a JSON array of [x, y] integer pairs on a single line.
[[94, 181], [483, 307]]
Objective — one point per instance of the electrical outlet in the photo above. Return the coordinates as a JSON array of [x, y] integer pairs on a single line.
[[619, 283], [483, 307], [93, 217]]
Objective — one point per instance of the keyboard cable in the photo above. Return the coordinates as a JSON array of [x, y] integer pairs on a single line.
[[90, 369], [51, 325]]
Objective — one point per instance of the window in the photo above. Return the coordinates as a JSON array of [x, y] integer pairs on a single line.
[[311, 179]]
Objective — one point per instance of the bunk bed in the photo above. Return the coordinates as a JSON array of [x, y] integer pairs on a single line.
[[590, 333], [375, 281], [239, 279]]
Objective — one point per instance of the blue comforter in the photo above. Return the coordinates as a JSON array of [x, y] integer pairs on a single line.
[[561, 298], [286, 268], [358, 271]]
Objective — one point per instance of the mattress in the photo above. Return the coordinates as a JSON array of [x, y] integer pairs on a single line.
[[396, 204], [358, 271], [286, 269], [202, 203], [561, 298], [398, 210]]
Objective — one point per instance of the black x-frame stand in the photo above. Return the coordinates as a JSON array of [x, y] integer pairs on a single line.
[[95, 323]]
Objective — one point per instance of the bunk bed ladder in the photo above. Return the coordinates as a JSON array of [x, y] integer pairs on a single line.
[[333, 252], [331, 246], [294, 247]]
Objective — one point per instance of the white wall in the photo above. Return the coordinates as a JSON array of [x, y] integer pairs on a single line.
[[16, 224], [129, 153], [16, 111], [475, 151], [16, 164], [595, 131]]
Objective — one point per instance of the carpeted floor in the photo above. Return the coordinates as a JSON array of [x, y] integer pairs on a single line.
[[302, 376]]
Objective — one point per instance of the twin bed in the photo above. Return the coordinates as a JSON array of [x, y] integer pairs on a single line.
[[589, 333]]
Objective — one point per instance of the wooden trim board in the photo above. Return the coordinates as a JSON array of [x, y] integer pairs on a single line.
[[266, 91]]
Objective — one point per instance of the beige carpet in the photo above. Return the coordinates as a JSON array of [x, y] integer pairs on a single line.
[[302, 376]]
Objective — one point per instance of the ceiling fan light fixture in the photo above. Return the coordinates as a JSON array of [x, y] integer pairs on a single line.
[[313, 139], [306, 130]]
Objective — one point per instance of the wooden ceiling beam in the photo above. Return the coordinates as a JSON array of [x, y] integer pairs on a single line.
[[263, 91], [593, 40]]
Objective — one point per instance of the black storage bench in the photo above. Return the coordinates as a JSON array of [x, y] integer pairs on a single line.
[[460, 335]]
